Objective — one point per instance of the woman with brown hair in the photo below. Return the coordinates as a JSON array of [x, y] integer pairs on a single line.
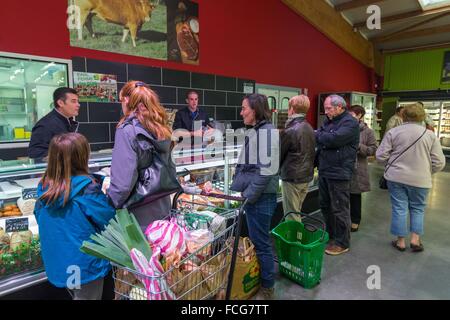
[[142, 133], [70, 208], [257, 180], [360, 182]]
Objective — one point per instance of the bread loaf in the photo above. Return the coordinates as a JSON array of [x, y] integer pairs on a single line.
[[26, 206]]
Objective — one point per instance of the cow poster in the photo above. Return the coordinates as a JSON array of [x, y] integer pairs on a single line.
[[157, 29], [95, 87], [446, 68]]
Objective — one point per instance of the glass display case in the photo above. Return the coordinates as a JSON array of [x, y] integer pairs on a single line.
[[26, 90], [438, 113], [366, 100], [20, 260]]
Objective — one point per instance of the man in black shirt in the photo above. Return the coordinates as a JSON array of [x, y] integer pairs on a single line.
[[190, 122], [59, 120], [186, 117]]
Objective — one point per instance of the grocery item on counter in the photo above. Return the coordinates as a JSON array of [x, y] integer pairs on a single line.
[[26, 206], [10, 210], [20, 240]]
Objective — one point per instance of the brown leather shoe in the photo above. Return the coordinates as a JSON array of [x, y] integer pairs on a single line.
[[336, 250]]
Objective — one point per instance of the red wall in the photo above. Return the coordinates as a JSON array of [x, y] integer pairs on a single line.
[[251, 39]]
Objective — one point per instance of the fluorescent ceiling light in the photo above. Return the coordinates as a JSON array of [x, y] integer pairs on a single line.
[[431, 4]]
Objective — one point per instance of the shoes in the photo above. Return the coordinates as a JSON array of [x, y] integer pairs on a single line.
[[396, 246], [335, 250], [353, 228], [417, 247], [265, 294]]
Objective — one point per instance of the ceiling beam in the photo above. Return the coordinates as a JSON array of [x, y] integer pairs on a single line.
[[331, 23], [418, 33], [404, 15], [382, 38], [354, 4]]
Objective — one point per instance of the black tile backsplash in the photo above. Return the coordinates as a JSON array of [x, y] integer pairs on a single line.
[[235, 98], [176, 78], [166, 94], [104, 112], [149, 75], [219, 96], [112, 130], [216, 98], [225, 113], [182, 95], [226, 83], [79, 64], [201, 80], [108, 67], [211, 111], [95, 132], [83, 113]]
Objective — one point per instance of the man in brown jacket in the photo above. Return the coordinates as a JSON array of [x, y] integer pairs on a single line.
[[298, 145]]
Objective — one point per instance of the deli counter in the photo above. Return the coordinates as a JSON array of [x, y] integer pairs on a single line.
[[21, 266]]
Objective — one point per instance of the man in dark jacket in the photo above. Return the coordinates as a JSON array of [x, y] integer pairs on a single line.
[[59, 120], [191, 124], [298, 145], [337, 143], [186, 117]]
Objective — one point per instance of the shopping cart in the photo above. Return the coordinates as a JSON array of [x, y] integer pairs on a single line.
[[206, 273], [300, 248]]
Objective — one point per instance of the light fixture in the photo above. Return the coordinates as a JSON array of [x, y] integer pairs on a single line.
[[432, 4]]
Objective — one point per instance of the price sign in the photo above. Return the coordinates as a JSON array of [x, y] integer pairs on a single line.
[[29, 193], [19, 224]]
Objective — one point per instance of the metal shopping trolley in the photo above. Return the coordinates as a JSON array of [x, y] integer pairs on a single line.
[[203, 273]]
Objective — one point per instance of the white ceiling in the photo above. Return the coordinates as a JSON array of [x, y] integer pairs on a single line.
[[393, 7]]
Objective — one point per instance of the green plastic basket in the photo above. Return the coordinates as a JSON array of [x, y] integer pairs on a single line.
[[300, 249]]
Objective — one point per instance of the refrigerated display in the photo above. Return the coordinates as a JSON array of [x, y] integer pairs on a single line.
[[21, 266]]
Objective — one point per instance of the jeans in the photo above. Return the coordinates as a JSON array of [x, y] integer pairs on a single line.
[[334, 198], [355, 207], [259, 217], [406, 198]]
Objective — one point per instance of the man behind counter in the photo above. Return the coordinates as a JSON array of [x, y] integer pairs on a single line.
[[59, 120], [186, 117]]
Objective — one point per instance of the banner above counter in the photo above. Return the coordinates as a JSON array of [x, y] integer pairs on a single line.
[[162, 29]]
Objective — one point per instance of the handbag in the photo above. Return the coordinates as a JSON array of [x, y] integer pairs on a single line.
[[156, 179], [382, 183]]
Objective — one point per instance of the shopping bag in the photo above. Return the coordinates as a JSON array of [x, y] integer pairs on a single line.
[[246, 278]]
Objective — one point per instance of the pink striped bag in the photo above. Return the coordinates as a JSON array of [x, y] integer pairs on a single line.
[[168, 236], [155, 284]]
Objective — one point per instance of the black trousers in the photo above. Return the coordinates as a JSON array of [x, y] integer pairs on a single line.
[[355, 207], [334, 197]]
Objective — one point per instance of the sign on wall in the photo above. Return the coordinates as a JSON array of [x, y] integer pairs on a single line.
[[157, 29], [446, 68], [95, 87]]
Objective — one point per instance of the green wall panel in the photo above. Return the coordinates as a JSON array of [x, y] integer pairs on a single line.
[[414, 70]]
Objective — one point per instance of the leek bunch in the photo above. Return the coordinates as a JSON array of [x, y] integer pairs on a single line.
[[114, 244]]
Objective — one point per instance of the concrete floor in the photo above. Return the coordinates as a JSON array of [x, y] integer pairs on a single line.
[[404, 275]]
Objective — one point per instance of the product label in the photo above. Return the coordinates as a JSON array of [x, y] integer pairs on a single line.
[[29, 193], [19, 224]]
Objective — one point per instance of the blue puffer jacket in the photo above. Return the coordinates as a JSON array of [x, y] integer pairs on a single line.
[[258, 166], [337, 143], [62, 229]]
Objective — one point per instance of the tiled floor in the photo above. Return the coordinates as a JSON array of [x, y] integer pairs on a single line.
[[404, 275]]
